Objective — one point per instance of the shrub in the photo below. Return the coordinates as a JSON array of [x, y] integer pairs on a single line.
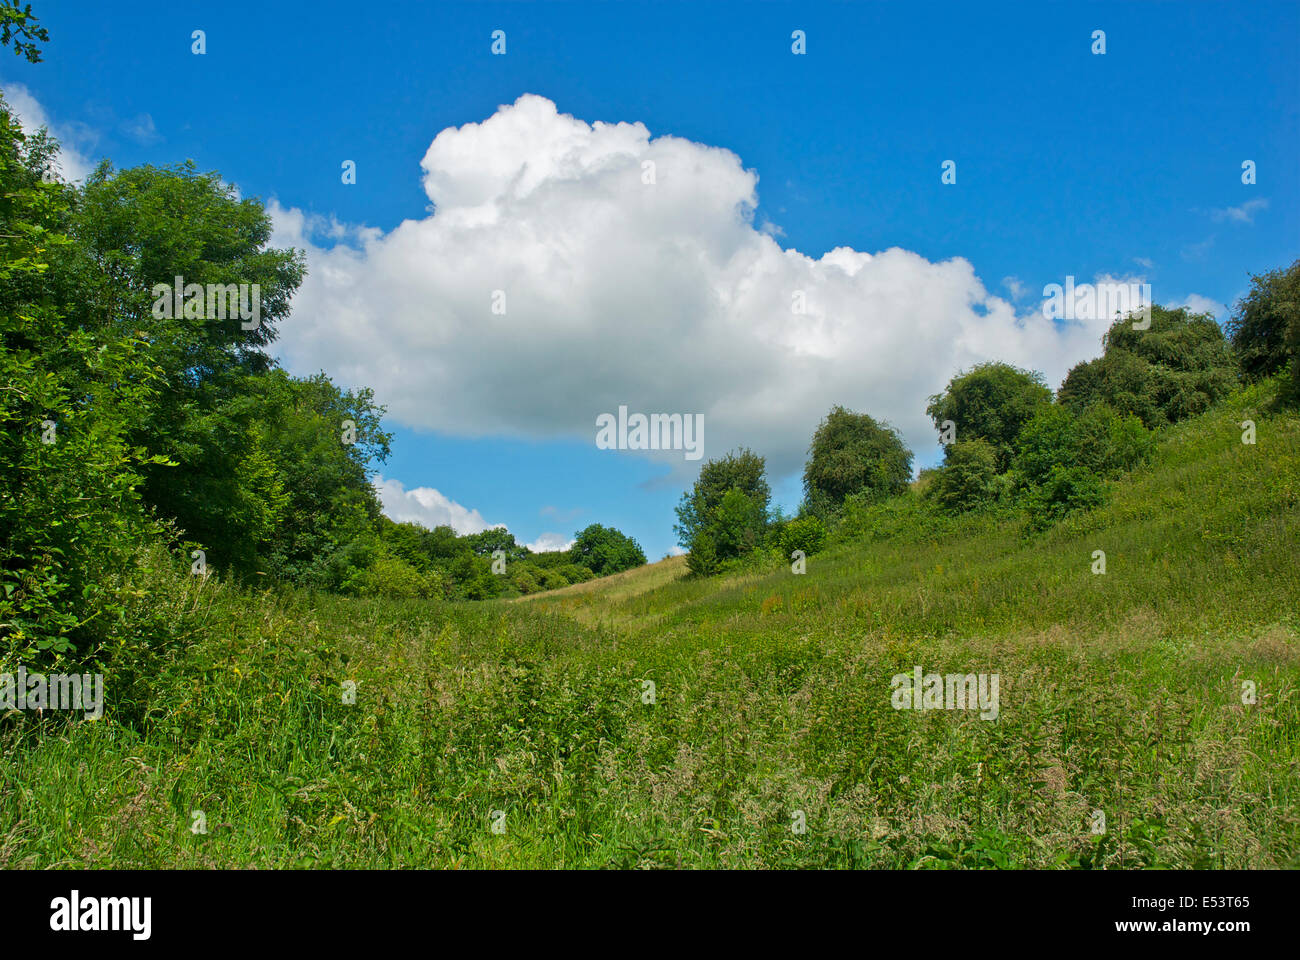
[[552, 579], [1176, 369], [967, 478], [703, 557], [803, 533], [1098, 440], [1265, 327], [990, 402], [394, 579], [1063, 490], [852, 453]]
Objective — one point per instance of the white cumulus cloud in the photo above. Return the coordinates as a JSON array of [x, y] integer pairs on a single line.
[[1195, 303], [427, 507], [549, 542], [633, 273], [72, 163]]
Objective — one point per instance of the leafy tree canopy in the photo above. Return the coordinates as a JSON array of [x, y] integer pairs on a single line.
[[851, 453], [990, 402], [1265, 328], [1177, 368]]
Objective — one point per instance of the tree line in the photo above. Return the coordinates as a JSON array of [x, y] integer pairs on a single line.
[[134, 437], [1010, 444]]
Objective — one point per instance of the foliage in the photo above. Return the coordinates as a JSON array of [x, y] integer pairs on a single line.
[[990, 402], [1176, 369], [968, 477], [851, 453], [702, 560], [738, 524], [605, 551], [741, 470], [70, 519], [1264, 330], [1062, 490], [725, 515], [1098, 440], [18, 26], [802, 533]]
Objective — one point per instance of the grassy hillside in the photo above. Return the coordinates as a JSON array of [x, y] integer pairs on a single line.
[[1119, 693]]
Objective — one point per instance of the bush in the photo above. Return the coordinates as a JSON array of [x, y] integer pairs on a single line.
[[393, 579], [552, 579], [577, 573], [968, 477], [1098, 440], [852, 453], [803, 533], [1176, 369], [703, 557], [1065, 489], [1265, 327], [990, 402], [524, 579]]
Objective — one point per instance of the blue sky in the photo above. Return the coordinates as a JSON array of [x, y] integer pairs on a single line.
[[1126, 164]]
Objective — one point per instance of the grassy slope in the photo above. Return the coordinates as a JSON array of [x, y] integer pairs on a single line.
[[1119, 693], [618, 586]]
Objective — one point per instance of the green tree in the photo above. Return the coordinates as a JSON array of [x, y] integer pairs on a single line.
[[967, 478], [1177, 368], [851, 453], [1265, 327], [738, 524], [18, 27], [604, 550], [328, 495], [147, 226], [990, 402], [487, 542], [741, 470], [71, 524]]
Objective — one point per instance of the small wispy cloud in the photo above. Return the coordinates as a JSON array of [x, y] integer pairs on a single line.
[[1242, 214], [1144, 262], [1197, 251], [561, 516], [141, 129], [1195, 303], [1014, 286]]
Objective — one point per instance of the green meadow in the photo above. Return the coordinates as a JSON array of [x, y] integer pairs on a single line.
[[1149, 716]]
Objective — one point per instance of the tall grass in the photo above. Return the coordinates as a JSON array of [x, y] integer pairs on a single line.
[[1120, 693]]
